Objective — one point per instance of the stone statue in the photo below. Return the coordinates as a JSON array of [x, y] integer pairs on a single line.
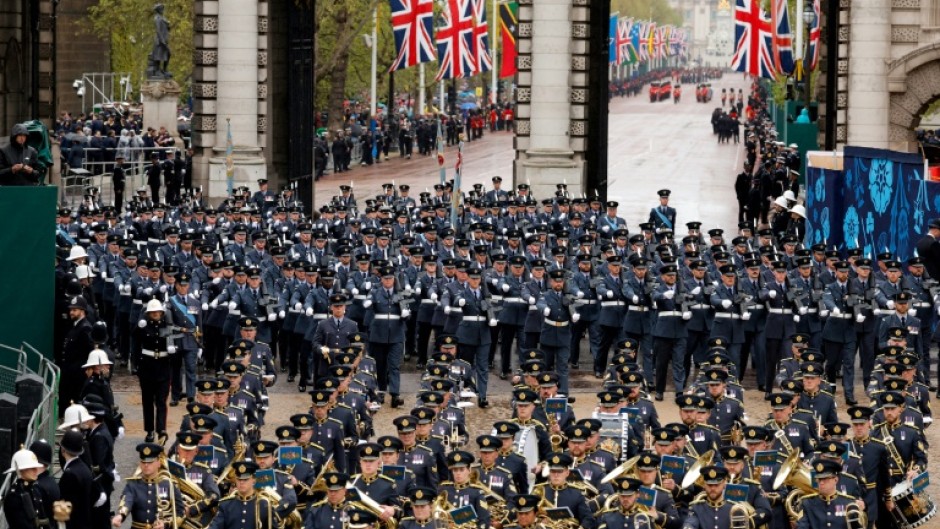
[[159, 60]]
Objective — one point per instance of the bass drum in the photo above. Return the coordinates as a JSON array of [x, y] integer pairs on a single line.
[[911, 509], [526, 444]]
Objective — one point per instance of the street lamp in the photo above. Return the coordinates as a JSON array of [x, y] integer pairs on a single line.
[[809, 17]]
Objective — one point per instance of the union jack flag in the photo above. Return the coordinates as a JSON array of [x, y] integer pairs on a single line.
[[412, 23], [676, 41], [481, 39], [646, 40], [455, 41], [782, 37], [659, 42], [813, 52], [625, 50], [752, 35]]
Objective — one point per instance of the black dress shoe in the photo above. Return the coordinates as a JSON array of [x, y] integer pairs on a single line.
[[503, 376], [174, 403], [576, 366], [850, 403], [598, 375], [571, 400], [659, 396], [761, 388], [421, 365], [290, 378], [149, 438], [483, 404], [302, 388], [767, 396]]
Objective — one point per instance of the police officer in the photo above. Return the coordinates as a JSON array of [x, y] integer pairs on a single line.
[[150, 498]]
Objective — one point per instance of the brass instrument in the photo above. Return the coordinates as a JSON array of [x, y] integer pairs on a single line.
[[741, 515], [892, 451], [782, 437], [557, 440], [641, 520], [496, 503], [368, 504], [694, 475], [166, 507], [240, 449], [440, 512], [648, 439], [690, 448], [794, 474], [319, 484], [855, 517], [293, 520], [737, 435], [626, 469]]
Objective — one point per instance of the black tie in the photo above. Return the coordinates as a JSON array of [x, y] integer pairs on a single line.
[[903, 322]]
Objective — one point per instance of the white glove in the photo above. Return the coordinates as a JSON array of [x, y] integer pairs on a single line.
[[418, 290], [505, 287], [355, 291], [216, 280], [405, 314], [282, 314], [309, 311], [605, 229], [746, 316], [205, 306], [408, 288], [284, 229], [772, 294], [272, 316], [636, 299], [163, 289], [547, 311], [214, 304], [687, 315], [796, 318], [232, 305], [912, 312], [142, 323], [114, 472], [171, 349], [575, 317], [447, 309], [127, 289], [824, 314], [890, 305], [696, 291], [101, 499], [610, 294], [579, 294], [860, 318], [298, 305], [433, 296], [531, 300], [836, 311], [494, 281], [726, 303], [104, 274], [461, 302], [325, 350], [149, 290], [367, 303], [669, 294], [493, 322], [120, 436], [199, 354], [803, 310], [367, 286]]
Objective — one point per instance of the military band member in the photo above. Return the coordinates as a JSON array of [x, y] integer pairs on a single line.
[[626, 513], [460, 491], [419, 459], [327, 431], [496, 478], [712, 511], [733, 458], [702, 437], [794, 434], [421, 499], [827, 508], [507, 457], [373, 484], [758, 439], [728, 415], [150, 499], [329, 513], [245, 507], [525, 402], [908, 441], [664, 512], [199, 474], [390, 455]]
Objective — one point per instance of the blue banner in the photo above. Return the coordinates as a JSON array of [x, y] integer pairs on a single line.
[[878, 202]]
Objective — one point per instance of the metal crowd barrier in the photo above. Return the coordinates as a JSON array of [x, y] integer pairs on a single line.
[[73, 180], [43, 421]]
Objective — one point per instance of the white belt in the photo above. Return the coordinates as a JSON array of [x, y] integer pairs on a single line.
[[428, 302], [387, 317], [700, 306], [554, 323], [637, 308], [154, 354], [109, 280], [137, 301], [513, 300], [454, 311], [727, 315], [128, 294], [474, 318], [883, 312], [812, 311], [234, 312], [496, 298], [586, 301], [757, 307], [840, 316], [669, 313], [922, 305], [360, 297], [294, 311], [533, 307], [319, 316], [611, 303], [780, 311], [154, 241]]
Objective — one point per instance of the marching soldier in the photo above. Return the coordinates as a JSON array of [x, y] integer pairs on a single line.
[[387, 334], [828, 508], [201, 510], [638, 323], [669, 333], [150, 499], [663, 217], [555, 338], [461, 491], [246, 507], [329, 513], [154, 369], [613, 304], [626, 513], [473, 333]]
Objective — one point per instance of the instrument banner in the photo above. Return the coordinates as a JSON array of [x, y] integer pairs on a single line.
[[736, 492], [646, 497], [265, 478], [920, 482], [289, 455]]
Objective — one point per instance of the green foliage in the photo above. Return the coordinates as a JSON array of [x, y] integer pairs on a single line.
[[658, 10], [128, 25]]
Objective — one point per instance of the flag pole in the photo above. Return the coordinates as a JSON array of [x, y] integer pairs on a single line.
[[375, 60], [494, 14], [421, 96]]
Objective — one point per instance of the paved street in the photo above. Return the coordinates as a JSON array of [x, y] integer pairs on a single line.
[[652, 146]]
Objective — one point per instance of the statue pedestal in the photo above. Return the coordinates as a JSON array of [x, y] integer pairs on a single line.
[[249, 167], [161, 98]]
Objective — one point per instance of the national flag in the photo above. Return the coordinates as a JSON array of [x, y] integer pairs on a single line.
[[813, 52], [752, 35], [651, 39], [675, 39], [646, 43], [508, 22], [782, 37], [659, 42], [635, 40], [481, 38], [412, 25], [455, 41], [612, 39], [626, 52]]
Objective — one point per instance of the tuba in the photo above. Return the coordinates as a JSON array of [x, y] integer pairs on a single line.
[[627, 468], [694, 475], [293, 520], [496, 503], [793, 474]]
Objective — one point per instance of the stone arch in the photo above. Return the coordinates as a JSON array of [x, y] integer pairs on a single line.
[[913, 84]]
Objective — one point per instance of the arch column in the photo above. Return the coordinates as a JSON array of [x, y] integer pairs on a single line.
[[867, 87]]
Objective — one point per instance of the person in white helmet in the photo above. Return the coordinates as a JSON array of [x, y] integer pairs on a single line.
[[797, 225], [25, 506], [154, 368]]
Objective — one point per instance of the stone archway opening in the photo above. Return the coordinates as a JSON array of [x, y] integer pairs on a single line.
[[913, 87]]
